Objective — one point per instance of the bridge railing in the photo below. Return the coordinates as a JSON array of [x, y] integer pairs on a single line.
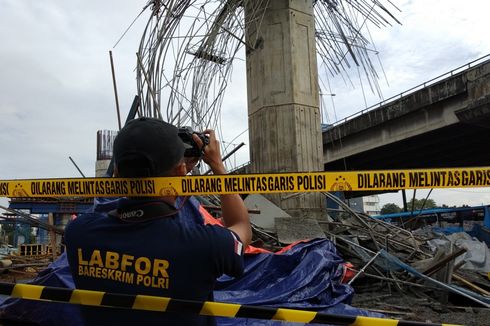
[[416, 88]]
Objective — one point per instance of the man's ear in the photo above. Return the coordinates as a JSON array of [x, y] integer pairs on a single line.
[[180, 169]]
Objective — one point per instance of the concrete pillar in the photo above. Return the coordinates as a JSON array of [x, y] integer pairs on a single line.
[[52, 236], [105, 141], [101, 168], [283, 96]]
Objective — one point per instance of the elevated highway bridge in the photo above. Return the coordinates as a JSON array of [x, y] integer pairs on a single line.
[[444, 122]]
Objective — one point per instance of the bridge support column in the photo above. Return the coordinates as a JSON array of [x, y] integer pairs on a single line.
[[283, 96]]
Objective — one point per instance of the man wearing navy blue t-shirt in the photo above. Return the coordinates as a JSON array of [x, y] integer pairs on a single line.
[[147, 245]]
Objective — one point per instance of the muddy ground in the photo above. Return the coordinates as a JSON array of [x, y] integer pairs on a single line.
[[423, 308]]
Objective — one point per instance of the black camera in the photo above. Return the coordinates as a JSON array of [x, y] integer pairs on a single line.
[[192, 149]]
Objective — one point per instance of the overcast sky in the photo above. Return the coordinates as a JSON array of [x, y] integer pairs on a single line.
[[56, 86]]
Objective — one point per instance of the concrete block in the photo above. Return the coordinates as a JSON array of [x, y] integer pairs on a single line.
[[268, 212], [290, 230], [101, 167]]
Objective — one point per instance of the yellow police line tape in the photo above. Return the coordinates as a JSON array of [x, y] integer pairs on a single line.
[[250, 183], [206, 308]]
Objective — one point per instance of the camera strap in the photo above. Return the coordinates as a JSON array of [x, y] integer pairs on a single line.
[[142, 212]]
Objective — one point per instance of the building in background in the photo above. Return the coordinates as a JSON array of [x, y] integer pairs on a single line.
[[368, 205]]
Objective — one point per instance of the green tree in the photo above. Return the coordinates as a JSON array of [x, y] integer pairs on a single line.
[[8, 230], [390, 208], [418, 204]]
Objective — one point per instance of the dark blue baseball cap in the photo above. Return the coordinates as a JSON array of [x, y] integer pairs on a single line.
[[147, 147]]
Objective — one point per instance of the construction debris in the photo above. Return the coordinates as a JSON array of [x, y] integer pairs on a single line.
[[411, 274]]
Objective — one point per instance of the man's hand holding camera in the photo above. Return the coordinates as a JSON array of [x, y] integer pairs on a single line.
[[211, 151], [205, 145], [235, 215]]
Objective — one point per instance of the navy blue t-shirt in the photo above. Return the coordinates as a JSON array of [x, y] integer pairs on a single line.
[[161, 256]]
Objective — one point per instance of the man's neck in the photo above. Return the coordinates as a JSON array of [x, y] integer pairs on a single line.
[[167, 199]]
